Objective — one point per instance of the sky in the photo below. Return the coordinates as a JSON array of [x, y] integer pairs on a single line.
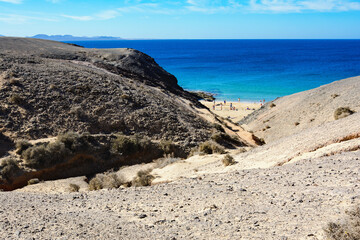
[[183, 19]]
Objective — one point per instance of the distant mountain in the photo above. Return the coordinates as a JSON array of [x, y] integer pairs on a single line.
[[74, 38]]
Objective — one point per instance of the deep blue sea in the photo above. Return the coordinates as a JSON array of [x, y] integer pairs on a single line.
[[249, 69]]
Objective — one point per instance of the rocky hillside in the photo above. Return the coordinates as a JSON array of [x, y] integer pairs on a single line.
[[295, 113], [109, 108], [47, 88]]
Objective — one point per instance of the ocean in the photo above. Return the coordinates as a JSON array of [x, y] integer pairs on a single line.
[[249, 69]]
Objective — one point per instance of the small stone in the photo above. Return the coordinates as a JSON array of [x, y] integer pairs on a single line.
[[142, 216]]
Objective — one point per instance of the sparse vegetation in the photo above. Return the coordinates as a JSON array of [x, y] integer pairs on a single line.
[[143, 178], [272, 105], [74, 187], [47, 154], [228, 160], [8, 167], [105, 181], [126, 145], [21, 146], [342, 112], [225, 139], [349, 229], [167, 160], [168, 147], [210, 147]]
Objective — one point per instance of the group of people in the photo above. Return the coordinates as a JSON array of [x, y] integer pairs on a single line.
[[232, 108]]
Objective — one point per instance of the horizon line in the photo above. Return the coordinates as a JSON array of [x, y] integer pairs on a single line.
[[131, 39]]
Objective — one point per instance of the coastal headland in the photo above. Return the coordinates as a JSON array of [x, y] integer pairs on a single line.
[[104, 144]]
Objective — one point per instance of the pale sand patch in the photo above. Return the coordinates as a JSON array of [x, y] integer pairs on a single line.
[[188, 168], [56, 186], [242, 109]]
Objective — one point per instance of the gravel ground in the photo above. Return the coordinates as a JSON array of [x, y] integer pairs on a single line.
[[294, 201]]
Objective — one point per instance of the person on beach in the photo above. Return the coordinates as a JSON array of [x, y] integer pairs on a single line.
[[239, 99], [230, 106], [224, 102]]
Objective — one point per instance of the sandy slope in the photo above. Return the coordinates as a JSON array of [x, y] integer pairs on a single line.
[[295, 113]]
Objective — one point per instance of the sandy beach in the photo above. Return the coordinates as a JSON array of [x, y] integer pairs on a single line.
[[240, 109]]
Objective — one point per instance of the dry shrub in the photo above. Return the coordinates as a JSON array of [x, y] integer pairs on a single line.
[[107, 180], [219, 137], [342, 112], [228, 160], [76, 142], [8, 168], [126, 145], [349, 229], [143, 178], [210, 147], [21, 146], [168, 147], [224, 139], [163, 162], [74, 187], [45, 155]]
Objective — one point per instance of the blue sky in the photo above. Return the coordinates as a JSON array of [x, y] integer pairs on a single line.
[[183, 19]]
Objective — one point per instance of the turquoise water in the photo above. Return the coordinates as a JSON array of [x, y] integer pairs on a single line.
[[249, 69]]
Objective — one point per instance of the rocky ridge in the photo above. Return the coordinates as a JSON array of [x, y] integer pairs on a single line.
[[47, 88]]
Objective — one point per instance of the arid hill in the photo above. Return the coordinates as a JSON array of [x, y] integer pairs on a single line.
[[47, 88], [295, 113]]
